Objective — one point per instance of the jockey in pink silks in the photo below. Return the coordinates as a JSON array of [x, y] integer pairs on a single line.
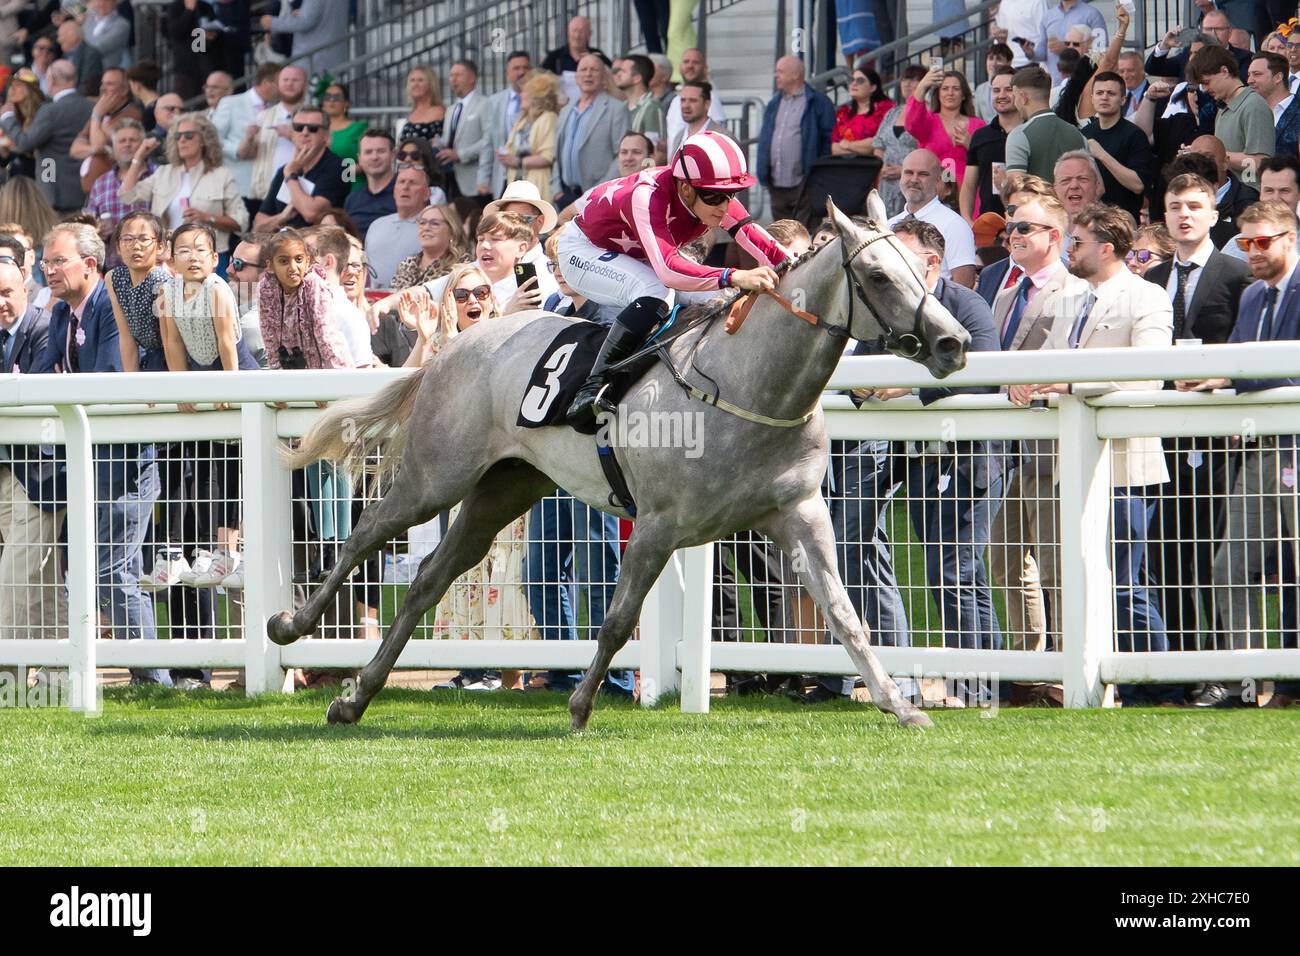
[[626, 246]]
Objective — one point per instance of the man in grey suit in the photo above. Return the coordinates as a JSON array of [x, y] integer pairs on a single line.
[[1023, 557], [50, 137], [503, 110], [590, 130], [320, 30], [464, 133]]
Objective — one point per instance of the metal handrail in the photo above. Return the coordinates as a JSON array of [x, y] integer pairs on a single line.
[[905, 43]]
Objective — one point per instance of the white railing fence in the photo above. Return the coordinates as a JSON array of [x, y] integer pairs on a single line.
[[675, 651]]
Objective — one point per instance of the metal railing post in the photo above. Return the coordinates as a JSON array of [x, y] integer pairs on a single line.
[[268, 545], [697, 628], [83, 612], [1087, 586]]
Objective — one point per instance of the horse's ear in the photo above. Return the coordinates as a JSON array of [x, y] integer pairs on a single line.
[[876, 209], [843, 224]]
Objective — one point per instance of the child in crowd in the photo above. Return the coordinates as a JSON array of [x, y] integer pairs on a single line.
[[201, 333], [133, 290], [295, 300]]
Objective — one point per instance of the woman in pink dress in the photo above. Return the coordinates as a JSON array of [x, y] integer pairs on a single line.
[[941, 115], [858, 120]]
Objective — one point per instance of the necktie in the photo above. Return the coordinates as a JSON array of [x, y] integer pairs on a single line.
[[455, 122], [1266, 321], [74, 359], [512, 113], [1081, 319], [1017, 310], [1128, 103], [4, 347], [1184, 270], [1013, 276]]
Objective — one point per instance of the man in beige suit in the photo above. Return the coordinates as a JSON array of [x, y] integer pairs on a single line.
[[1023, 558], [1121, 309]]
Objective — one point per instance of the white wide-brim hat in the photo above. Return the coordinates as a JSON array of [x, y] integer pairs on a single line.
[[523, 191]]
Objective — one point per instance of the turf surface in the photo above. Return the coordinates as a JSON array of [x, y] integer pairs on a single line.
[[205, 778]]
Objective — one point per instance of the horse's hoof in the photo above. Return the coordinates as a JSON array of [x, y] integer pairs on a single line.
[[578, 715], [279, 629], [917, 718], [341, 711]]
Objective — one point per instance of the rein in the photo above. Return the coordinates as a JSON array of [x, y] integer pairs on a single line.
[[907, 344]]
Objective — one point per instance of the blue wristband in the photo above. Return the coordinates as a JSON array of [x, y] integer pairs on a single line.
[[724, 280]]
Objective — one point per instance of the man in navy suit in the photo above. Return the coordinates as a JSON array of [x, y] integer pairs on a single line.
[[34, 602], [1262, 508], [83, 338], [1205, 287]]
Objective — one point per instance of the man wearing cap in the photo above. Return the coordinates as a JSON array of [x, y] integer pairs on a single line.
[[626, 249], [521, 197]]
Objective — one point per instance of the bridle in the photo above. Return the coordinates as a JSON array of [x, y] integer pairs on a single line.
[[910, 345]]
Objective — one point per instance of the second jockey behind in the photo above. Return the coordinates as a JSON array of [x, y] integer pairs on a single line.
[[626, 246]]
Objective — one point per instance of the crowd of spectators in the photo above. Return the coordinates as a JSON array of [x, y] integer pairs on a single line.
[[271, 228]]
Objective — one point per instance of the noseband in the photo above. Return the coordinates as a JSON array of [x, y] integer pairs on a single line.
[[909, 345]]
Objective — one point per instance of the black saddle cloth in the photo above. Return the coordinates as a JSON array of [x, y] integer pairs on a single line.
[[562, 368]]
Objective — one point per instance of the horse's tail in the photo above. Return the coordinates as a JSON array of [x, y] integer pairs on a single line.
[[349, 431]]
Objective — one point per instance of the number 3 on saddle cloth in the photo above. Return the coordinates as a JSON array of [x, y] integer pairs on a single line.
[[563, 367]]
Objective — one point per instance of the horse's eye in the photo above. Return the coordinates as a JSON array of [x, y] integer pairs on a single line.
[[877, 276]]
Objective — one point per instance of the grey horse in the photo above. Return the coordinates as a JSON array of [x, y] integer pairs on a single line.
[[449, 436]]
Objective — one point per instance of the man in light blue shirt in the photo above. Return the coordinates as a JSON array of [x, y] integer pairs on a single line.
[[1057, 22]]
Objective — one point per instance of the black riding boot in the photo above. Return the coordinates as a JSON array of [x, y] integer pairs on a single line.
[[624, 337]]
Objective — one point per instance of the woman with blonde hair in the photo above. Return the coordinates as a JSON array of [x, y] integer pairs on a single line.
[[441, 235], [488, 601], [194, 186], [466, 299], [529, 151], [24, 96], [21, 202], [427, 112]]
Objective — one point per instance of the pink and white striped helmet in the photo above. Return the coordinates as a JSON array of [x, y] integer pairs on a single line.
[[711, 160]]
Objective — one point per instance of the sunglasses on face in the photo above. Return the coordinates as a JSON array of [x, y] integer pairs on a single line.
[[334, 98], [307, 127], [187, 134], [1025, 227], [1246, 243], [1143, 256], [409, 154], [480, 292], [711, 198], [239, 265], [858, 79]]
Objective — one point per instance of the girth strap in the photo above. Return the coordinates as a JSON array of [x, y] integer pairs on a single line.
[[621, 495]]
